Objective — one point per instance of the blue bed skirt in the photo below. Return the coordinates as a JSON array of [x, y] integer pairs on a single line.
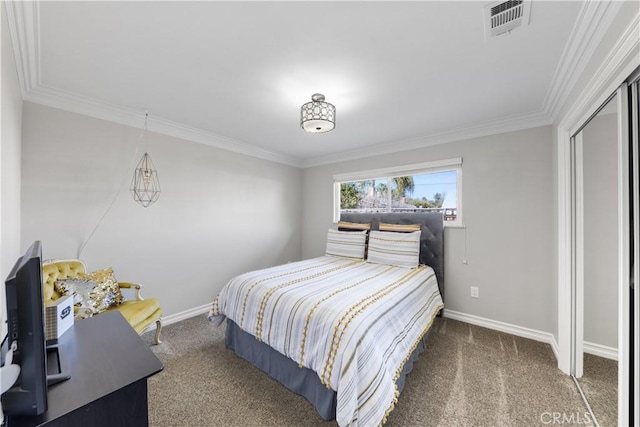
[[302, 381]]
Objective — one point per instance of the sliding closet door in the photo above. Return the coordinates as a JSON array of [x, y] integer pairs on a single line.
[[604, 230], [596, 151], [596, 241], [634, 321], [624, 252]]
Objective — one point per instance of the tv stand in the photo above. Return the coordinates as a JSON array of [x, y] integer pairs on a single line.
[[108, 365], [56, 371]]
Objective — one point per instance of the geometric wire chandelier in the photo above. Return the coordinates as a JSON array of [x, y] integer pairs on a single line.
[[145, 185], [317, 116]]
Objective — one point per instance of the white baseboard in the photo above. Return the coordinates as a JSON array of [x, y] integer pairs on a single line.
[[545, 337], [591, 348], [175, 318], [554, 346], [519, 331], [600, 350]]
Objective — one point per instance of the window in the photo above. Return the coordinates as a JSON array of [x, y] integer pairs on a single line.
[[433, 186]]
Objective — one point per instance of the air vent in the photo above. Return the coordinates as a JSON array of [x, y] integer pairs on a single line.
[[504, 16]]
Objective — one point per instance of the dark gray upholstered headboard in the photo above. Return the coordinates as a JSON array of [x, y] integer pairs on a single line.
[[431, 238]]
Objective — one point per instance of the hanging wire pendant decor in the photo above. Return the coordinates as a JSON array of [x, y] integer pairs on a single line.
[[145, 186]]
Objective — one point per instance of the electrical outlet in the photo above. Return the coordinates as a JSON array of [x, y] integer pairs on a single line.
[[475, 292]]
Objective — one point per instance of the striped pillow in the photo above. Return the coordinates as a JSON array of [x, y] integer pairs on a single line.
[[348, 244], [400, 228], [400, 249]]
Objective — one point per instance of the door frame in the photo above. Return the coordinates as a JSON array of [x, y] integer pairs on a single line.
[[578, 256]]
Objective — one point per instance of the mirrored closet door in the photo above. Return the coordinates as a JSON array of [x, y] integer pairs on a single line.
[[605, 227], [596, 161], [633, 329]]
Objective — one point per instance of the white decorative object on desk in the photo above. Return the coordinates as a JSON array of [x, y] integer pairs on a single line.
[[58, 317]]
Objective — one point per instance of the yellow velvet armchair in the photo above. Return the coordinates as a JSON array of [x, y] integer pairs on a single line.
[[139, 312]]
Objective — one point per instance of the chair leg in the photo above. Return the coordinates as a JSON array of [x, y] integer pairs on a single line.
[[158, 329]]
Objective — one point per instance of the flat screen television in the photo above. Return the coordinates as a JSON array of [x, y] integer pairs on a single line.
[[26, 328]]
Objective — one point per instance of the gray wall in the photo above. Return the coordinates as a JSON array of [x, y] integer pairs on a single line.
[[508, 212], [219, 213], [11, 125], [600, 155]]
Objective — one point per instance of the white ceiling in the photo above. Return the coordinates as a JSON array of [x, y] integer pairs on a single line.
[[234, 74]]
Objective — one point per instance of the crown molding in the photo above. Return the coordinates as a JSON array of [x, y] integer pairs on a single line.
[[492, 127], [593, 21], [592, 24], [24, 22], [24, 19], [64, 100], [622, 60]]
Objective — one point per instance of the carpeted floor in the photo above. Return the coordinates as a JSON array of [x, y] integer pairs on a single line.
[[599, 384], [468, 376]]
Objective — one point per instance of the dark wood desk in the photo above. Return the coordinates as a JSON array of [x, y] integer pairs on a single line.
[[109, 365]]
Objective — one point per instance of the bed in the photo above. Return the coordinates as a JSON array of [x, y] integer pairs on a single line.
[[341, 331]]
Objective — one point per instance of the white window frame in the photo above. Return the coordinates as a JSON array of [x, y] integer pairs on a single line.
[[454, 164]]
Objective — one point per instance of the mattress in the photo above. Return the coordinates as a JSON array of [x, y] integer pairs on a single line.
[[354, 323]]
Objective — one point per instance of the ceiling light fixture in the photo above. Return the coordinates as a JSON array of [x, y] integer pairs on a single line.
[[317, 116]]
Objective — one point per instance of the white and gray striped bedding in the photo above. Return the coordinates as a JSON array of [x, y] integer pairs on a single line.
[[348, 244], [401, 249], [354, 323]]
